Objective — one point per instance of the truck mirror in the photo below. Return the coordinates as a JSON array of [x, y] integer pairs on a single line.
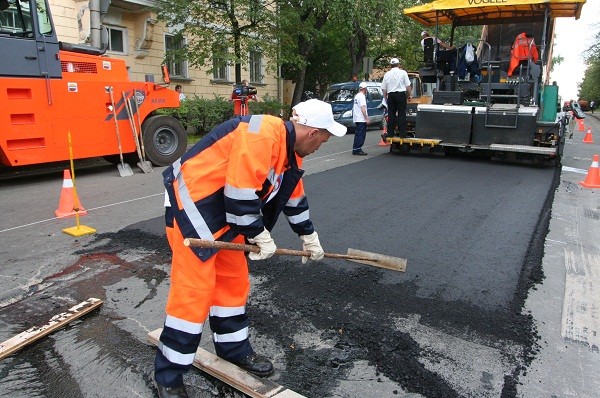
[[165, 74]]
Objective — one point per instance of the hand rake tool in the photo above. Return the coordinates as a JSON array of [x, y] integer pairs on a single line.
[[124, 168], [145, 165]]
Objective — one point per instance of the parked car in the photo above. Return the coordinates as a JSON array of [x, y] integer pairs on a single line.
[[341, 98], [577, 111]]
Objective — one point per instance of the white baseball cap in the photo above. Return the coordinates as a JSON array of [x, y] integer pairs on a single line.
[[362, 85], [394, 61], [318, 114], [424, 33]]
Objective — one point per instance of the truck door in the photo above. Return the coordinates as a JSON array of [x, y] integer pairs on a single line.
[[28, 41]]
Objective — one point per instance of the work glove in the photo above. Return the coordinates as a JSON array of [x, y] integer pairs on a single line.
[[312, 245], [266, 244]]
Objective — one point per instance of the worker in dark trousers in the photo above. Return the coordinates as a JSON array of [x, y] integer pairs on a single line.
[[397, 91], [360, 116]]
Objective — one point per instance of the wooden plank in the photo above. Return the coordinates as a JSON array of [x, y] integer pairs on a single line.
[[58, 321], [231, 374]]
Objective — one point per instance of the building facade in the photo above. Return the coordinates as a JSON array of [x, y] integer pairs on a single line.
[[136, 36]]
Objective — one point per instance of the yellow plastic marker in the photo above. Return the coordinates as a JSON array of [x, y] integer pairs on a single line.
[[77, 230]]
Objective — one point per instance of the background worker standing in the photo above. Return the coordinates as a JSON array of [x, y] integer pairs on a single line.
[[360, 117], [179, 89], [397, 91], [231, 186]]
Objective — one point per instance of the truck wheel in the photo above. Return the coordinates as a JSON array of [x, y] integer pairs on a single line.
[[165, 139]]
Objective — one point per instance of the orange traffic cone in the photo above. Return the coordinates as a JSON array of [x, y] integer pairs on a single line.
[[383, 142], [592, 180], [69, 204], [588, 139], [581, 127]]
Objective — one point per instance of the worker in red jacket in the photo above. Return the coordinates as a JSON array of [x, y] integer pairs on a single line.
[[523, 49], [241, 94], [231, 186]]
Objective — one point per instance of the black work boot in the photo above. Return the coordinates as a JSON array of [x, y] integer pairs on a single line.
[[256, 364], [171, 392]]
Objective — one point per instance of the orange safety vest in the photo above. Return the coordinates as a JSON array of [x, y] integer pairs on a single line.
[[237, 180], [521, 51]]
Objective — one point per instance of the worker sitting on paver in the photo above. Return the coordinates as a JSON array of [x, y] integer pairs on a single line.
[[522, 51], [231, 186]]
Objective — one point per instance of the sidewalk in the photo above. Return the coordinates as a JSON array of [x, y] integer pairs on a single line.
[[566, 306]]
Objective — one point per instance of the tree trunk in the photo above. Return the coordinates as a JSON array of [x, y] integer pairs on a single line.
[[299, 89], [305, 47], [358, 49], [237, 49]]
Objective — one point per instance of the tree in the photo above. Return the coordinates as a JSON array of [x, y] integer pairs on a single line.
[[373, 28], [328, 62], [373, 20], [208, 24], [590, 85], [301, 24]]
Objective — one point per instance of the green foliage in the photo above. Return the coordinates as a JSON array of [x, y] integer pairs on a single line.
[[266, 106], [557, 60], [206, 23], [329, 62], [590, 86], [201, 115]]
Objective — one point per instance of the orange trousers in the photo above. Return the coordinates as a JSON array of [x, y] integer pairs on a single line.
[[197, 285], [218, 286]]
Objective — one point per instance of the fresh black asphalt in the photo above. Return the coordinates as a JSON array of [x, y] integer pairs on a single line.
[[472, 232]]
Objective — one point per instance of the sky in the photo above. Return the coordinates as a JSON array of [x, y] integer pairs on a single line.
[[571, 39]]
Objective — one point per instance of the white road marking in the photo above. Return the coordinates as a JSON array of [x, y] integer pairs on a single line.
[[91, 209]]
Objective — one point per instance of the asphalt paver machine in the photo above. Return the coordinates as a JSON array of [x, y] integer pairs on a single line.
[[504, 107]]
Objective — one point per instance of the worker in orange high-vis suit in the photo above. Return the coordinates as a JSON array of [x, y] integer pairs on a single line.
[[523, 49], [231, 186]]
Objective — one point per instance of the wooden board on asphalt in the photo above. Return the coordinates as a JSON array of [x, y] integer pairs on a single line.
[[58, 321], [229, 373]]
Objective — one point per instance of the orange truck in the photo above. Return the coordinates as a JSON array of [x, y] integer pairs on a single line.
[[49, 89]]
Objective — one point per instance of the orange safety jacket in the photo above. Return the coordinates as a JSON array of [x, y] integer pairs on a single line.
[[520, 51], [237, 180], [238, 101]]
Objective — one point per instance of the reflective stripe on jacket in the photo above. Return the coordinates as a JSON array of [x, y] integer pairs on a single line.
[[237, 180]]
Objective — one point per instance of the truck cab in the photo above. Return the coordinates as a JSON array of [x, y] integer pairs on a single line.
[[49, 89]]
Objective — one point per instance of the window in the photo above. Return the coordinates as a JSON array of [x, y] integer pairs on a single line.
[[256, 75], [174, 45], [11, 19], [117, 40], [220, 67], [43, 19], [375, 94]]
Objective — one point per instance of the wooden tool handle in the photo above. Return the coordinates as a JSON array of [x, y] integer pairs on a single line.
[[217, 244]]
